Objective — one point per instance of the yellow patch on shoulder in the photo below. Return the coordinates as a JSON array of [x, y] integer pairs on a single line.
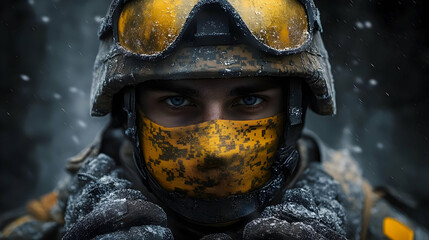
[[396, 230], [40, 208], [16, 223]]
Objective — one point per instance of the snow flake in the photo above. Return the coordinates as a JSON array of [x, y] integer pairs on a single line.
[[368, 24], [81, 124], [373, 82], [57, 96], [24, 77], [75, 139], [45, 19], [73, 90], [98, 19], [356, 149], [360, 25], [76, 91]]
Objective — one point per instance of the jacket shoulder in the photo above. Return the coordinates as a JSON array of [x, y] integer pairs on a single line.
[[375, 212], [44, 216], [389, 217], [337, 163]]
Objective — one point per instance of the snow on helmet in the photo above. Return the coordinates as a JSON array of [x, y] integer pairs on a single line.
[[136, 49]]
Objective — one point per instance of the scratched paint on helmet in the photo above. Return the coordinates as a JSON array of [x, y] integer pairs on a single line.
[[281, 25], [150, 26], [213, 159]]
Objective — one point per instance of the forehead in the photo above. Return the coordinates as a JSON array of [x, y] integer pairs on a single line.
[[208, 85]]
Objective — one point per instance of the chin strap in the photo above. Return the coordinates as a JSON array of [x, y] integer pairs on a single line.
[[295, 111], [288, 155], [131, 131]]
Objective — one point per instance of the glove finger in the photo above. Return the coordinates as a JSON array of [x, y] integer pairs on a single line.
[[319, 183], [333, 215], [92, 170], [217, 236], [83, 203], [116, 215], [327, 232], [128, 194], [301, 196], [139, 232], [290, 211], [98, 167], [276, 229]]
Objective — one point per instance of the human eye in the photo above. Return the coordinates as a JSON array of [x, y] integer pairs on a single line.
[[177, 101], [250, 100]]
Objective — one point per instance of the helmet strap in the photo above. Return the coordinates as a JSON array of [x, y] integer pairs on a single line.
[[295, 112], [131, 130]]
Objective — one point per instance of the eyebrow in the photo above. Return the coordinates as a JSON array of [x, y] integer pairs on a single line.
[[172, 87], [246, 90], [191, 92]]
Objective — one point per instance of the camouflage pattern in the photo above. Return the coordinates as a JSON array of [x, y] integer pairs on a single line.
[[214, 159]]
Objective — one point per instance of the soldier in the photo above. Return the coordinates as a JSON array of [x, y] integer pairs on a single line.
[[207, 101]]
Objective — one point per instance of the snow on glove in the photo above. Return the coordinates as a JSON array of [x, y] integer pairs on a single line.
[[312, 210], [101, 203], [152, 232], [217, 236]]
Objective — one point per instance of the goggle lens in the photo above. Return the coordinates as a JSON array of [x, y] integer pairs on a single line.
[[149, 27], [281, 25]]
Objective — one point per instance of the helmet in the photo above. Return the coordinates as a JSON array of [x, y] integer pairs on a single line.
[[115, 68], [145, 40]]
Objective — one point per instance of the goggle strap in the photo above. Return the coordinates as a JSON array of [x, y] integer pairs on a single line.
[[313, 14], [212, 28], [317, 21], [106, 25]]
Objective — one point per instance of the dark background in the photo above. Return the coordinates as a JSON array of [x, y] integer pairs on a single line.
[[379, 53]]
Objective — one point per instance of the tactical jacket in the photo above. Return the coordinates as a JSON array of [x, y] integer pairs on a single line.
[[369, 212]]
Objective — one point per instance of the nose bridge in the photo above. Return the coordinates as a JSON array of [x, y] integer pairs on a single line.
[[213, 111]]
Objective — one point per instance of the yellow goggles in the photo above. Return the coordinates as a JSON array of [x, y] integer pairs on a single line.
[[151, 27]]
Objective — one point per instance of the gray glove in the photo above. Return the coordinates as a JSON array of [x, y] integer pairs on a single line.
[[217, 236], [101, 205], [312, 210], [152, 232]]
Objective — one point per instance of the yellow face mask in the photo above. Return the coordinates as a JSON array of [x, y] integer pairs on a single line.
[[213, 159]]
